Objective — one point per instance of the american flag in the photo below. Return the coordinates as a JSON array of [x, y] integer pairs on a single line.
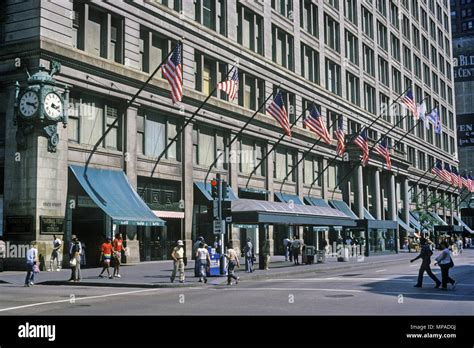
[[410, 103], [341, 146], [447, 171], [362, 142], [172, 72], [456, 179], [230, 86], [440, 173], [315, 123], [382, 150], [278, 112], [465, 181], [471, 182]]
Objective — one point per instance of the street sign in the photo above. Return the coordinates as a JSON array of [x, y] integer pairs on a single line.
[[218, 226]]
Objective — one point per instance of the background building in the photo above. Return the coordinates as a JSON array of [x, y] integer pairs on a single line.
[[351, 58], [462, 19]]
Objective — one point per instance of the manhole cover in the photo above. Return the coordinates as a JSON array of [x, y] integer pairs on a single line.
[[339, 296], [351, 275]]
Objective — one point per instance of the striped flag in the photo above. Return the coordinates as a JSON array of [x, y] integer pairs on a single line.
[[315, 123], [455, 175], [230, 86], [172, 72], [410, 103], [382, 150], [362, 142], [440, 173], [447, 172], [465, 181], [471, 182], [340, 136], [278, 112]]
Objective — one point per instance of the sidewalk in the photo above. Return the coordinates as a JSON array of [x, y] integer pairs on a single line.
[[157, 273]]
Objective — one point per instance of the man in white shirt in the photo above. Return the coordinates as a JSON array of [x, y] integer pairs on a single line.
[[31, 259], [57, 243], [203, 260]]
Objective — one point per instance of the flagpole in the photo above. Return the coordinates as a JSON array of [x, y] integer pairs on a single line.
[[351, 139], [416, 183], [303, 157], [236, 136], [275, 145], [178, 133], [130, 102]]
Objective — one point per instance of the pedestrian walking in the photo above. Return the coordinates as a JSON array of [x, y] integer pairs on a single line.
[[106, 256], [249, 255], [233, 260], [296, 249], [195, 248], [75, 250], [460, 245], [178, 255], [203, 260], [31, 262], [55, 254], [266, 254], [290, 249], [118, 248], [445, 262], [285, 247], [425, 256]]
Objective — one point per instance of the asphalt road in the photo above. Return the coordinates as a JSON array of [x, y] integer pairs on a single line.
[[378, 290]]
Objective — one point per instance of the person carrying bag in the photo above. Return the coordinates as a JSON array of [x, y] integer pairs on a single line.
[[445, 262]]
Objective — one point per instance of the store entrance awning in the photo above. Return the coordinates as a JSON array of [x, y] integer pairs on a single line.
[[407, 228], [438, 219], [414, 222], [249, 211], [365, 223], [206, 191], [286, 198], [112, 192], [319, 202], [463, 224]]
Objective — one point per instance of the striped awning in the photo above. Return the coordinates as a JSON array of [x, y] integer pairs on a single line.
[[167, 214]]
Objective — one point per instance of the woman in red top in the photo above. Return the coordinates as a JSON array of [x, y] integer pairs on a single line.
[[118, 247], [106, 256]]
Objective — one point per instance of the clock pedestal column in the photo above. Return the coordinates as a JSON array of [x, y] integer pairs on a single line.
[[35, 190]]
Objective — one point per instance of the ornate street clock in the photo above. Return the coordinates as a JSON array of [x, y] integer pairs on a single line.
[[40, 105]]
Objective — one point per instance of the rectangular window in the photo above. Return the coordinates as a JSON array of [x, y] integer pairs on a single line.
[[406, 27], [309, 17], [283, 7], [282, 48], [394, 15], [416, 37], [208, 73], [417, 66], [212, 14], [331, 33], [369, 94], [426, 75], [350, 10], [407, 57], [252, 94], [382, 7], [172, 4], [311, 170], [395, 47], [353, 92], [250, 29], [369, 66], [421, 160], [208, 143], [367, 22], [155, 131], [333, 77], [396, 81], [283, 160], [352, 47], [383, 72], [251, 153], [309, 63], [384, 108], [153, 48], [100, 34], [382, 35]]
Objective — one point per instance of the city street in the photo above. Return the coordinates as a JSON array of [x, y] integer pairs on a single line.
[[361, 289]]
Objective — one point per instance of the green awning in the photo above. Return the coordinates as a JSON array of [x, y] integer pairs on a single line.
[[112, 192], [286, 198]]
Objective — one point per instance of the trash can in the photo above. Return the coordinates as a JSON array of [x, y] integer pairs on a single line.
[[320, 256], [310, 251]]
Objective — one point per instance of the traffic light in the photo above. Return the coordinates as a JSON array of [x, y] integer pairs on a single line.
[[214, 189], [225, 190]]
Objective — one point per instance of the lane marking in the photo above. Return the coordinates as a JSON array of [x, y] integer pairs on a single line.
[[77, 299], [380, 270], [355, 279]]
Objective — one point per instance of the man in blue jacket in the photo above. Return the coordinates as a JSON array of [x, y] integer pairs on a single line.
[[425, 256]]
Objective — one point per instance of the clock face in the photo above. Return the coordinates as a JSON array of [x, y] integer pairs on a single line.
[[29, 104], [53, 106]]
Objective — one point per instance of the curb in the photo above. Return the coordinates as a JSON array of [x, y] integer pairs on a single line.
[[121, 285]]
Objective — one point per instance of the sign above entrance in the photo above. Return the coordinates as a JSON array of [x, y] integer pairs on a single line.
[[218, 226], [20, 224], [51, 225]]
